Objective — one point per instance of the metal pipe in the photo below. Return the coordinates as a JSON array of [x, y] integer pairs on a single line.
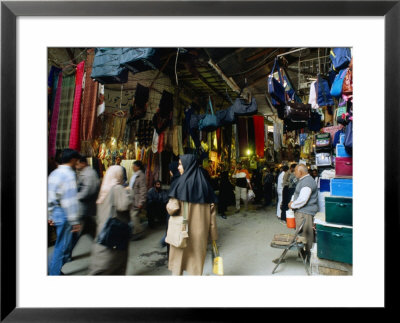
[[293, 51]]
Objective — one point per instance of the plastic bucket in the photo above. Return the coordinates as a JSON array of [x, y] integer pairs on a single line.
[[290, 219]]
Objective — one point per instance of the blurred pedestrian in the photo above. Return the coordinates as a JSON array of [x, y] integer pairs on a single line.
[[88, 190], [226, 194], [139, 187], [288, 190], [268, 181], [62, 209], [113, 197], [242, 182], [157, 199], [191, 193], [279, 188]]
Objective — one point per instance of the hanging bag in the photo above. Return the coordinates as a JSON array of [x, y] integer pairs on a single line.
[[348, 81], [348, 138], [115, 234], [177, 233], [225, 117], [275, 88], [336, 90], [210, 121], [241, 108], [340, 57], [324, 97]]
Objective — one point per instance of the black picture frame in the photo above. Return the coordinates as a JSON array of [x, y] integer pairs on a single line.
[[10, 10]]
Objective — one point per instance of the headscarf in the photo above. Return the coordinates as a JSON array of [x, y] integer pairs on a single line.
[[173, 167], [114, 176], [192, 186]]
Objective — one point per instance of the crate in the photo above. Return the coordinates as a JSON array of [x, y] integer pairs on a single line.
[[335, 243], [344, 166], [339, 210], [342, 187], [324, 185]]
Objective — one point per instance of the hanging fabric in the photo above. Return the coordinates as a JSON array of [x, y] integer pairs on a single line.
[[278, 132], [74, 139], [52, 89], [180, 146], [65, 114], [54, 118], [101, 105], [155, 142], [89, 100], [242, 136], [251, 140], [259, 133]]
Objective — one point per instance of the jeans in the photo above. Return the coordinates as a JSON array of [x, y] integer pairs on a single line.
[[64, 241]]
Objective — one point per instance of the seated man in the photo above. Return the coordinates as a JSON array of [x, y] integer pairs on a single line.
[[157, 199]]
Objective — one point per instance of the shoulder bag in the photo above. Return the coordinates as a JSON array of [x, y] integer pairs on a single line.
[[115, 234], [275, 88], [177, 233], [210, 121], [242, 108]]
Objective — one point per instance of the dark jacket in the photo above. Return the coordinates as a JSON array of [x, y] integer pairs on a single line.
[[88, 189]]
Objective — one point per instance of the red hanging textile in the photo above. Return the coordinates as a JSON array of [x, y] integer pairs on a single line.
[[54, 119], [74, 137], [161, 142], [259, 132]]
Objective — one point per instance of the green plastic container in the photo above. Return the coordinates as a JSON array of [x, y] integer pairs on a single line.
[[339, 210], [335, 243]]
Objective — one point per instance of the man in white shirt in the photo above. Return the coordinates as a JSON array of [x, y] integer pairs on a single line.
[[279, 189], [305, 204]]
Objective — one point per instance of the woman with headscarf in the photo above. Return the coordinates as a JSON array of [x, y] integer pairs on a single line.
[[104, 260], [195, 192]]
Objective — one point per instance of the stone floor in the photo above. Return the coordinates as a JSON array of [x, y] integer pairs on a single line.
[[244, 245]]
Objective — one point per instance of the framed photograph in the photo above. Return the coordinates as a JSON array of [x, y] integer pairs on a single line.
[[29, 28]]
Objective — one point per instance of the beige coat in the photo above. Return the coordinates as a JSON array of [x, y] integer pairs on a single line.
[[139, 190], [202, 223], [105, 261]]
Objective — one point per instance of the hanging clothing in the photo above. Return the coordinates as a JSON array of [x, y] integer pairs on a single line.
[[89, 100], [101, 105], [250, 134], [74, 139], [192, 186], [52, 88], [313, 96], [65, 114], [242, 136], [259, 135], [54, 119], [278, 133]]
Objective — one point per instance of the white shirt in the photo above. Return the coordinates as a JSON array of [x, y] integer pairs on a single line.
[[280, 182], [303, 197]]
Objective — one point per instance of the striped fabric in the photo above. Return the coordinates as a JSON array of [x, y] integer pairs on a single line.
[[54, 118], [74, 138], [89, 100], [65, 114]]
